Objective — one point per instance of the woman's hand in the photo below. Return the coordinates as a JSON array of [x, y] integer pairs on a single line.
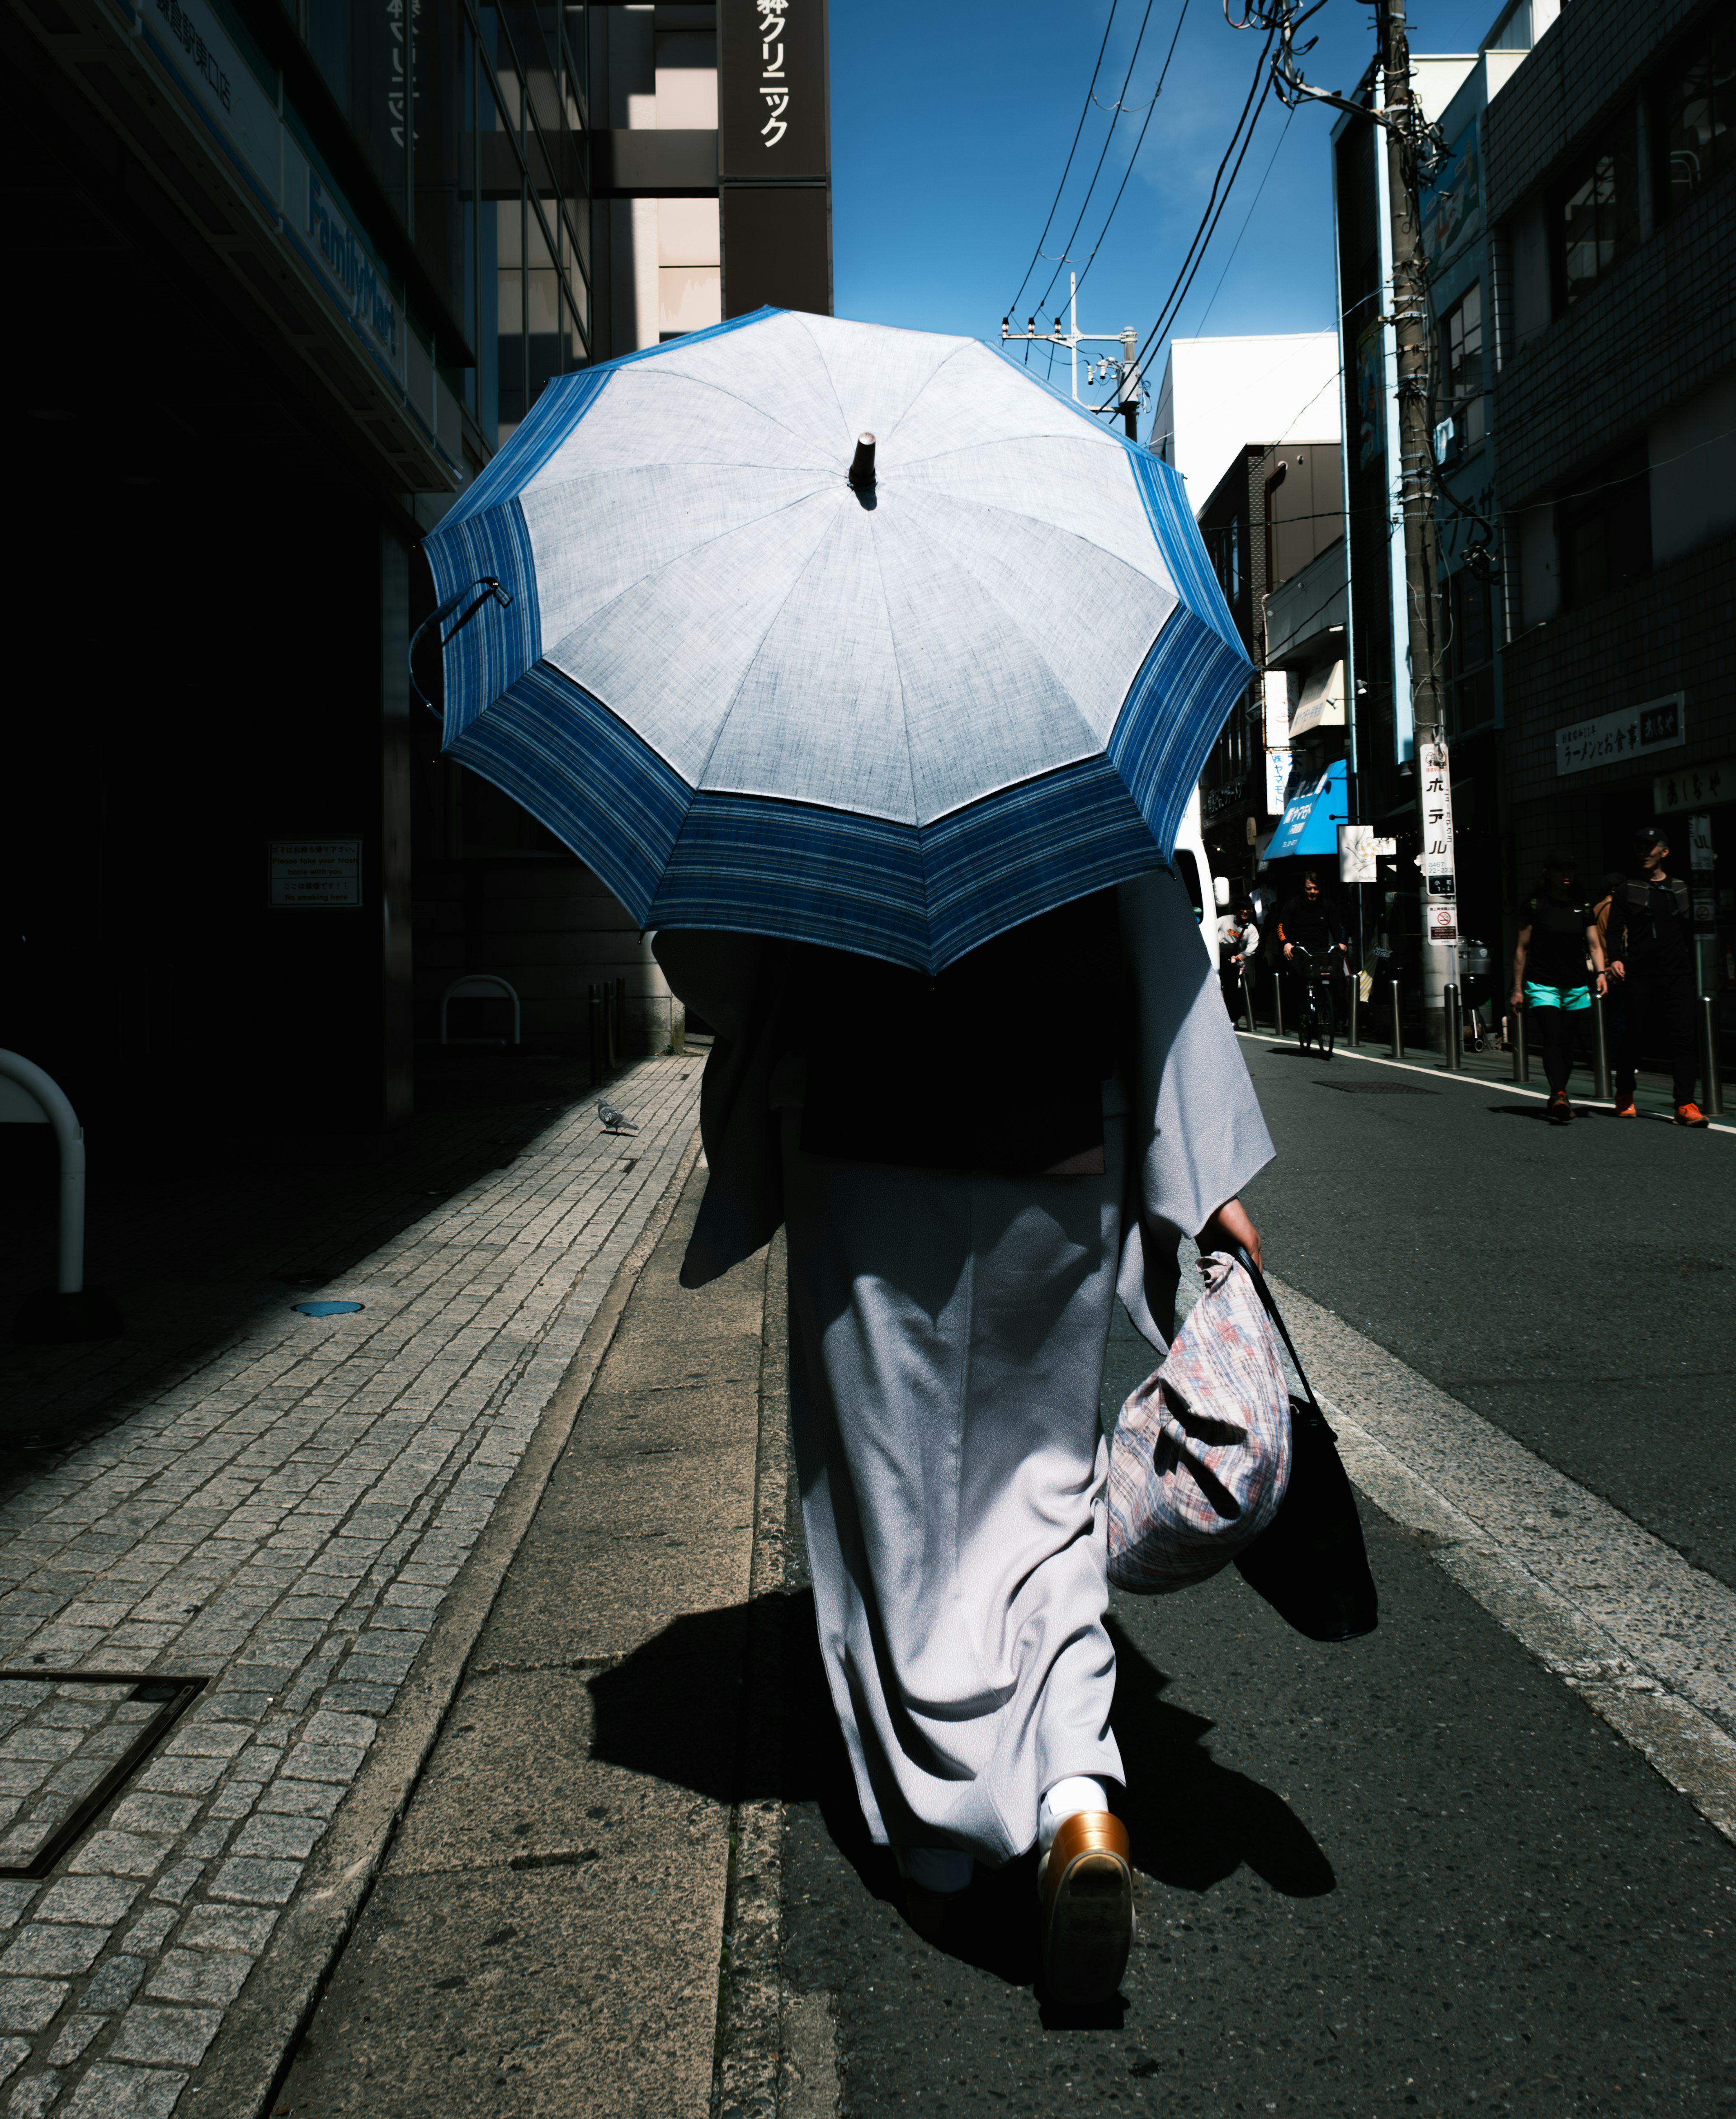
[[1516, 999], [1603, 984], [1230, 1226]]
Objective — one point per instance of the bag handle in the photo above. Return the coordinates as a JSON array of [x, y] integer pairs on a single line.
[[1240, 1254]]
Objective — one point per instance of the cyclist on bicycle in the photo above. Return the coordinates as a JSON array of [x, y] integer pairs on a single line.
[[1312, 922]]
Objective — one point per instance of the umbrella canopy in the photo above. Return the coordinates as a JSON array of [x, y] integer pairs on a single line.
[[897, 716]]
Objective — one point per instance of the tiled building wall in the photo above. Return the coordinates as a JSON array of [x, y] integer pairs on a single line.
[[1662, 325], [1576, 76], [1674, 632]]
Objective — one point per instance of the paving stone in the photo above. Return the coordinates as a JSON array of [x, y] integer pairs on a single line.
[[302, 1798], [262, 1882], [211, 1976], [150, 1931], [92, 1899], [77, 2034], [174, 1883], [28, 2005], [324, 1762], [288, 1837], [14, 1898], [117, 1854], [14, 2052], [154, 1813], [228, 1927], [108, 2091], [32, 2097], [45, 1947], [114, 1984]]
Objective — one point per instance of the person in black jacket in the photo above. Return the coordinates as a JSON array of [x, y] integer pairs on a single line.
[[1311, 920], [1651, 954]]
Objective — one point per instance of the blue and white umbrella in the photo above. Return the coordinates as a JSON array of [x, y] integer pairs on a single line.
[[897, 716]]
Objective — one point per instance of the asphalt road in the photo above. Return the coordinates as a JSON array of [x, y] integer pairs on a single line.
[[1413, 1874], [1575, 1285]]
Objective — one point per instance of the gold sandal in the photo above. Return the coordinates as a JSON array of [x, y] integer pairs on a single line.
[[1085, 1886]]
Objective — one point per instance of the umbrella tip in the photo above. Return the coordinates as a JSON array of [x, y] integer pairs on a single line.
[[861, 464]]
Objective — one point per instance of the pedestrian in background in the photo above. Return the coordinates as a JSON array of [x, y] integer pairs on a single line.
[[1239, 938], [1651, 956], [1556, 942], [1311, 920]]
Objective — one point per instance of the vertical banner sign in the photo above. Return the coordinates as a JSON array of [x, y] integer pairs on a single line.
[[772, 91], [1440, 880]]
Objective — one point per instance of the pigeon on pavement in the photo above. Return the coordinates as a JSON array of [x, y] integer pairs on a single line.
[[613, 1121]]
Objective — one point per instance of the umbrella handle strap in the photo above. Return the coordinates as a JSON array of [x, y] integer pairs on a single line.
[[492, 592]]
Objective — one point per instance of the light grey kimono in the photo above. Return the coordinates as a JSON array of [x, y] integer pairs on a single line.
[[947, 1332]]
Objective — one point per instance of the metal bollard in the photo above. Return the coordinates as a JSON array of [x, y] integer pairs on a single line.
[[1277, 1004], [1711, 1079], [1600, 1050], [1455, 1028], [1356, 1012], [1521, 1057], [1247, 1000], [1398, 1025]]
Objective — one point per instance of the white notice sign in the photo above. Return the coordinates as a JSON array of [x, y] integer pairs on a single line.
[[1657, 725], [315, 874]]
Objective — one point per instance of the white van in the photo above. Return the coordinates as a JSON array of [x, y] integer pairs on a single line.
[[1192, 866]]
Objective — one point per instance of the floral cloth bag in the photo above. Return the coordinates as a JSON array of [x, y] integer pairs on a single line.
[[1202, 1454]]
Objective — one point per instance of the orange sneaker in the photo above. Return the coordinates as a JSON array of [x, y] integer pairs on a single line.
[[1690, 1114], [1626, 1111]]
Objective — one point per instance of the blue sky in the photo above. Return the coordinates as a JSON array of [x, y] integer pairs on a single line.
[[950, 125]]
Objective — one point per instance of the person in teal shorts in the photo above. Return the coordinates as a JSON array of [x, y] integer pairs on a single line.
[[1558, 946]]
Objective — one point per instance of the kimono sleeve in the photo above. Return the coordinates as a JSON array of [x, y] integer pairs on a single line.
[[1195, 1132]]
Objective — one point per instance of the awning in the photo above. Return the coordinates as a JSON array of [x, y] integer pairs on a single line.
[[1311, 817]]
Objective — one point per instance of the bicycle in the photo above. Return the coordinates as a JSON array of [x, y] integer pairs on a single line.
[[1314, 1013]]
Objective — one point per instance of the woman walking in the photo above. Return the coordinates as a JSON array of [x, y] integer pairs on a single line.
[[1559, 936], [1238, 939], [972, 1167]]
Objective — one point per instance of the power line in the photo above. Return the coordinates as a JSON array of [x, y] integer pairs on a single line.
[[1084, 113], [1102, 155], [1209, 218], [1199, 329], [1133, 158]]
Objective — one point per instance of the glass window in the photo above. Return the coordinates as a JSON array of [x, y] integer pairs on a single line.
[[1698, 109], [1597, 218], [1462, 334]]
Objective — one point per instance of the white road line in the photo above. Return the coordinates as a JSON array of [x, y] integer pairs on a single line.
[[1438, 1073], [1646, 1638]]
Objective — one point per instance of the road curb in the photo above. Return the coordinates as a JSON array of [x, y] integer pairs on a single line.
[[246, 2067]]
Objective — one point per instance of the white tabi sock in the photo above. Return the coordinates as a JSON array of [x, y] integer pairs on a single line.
[[1067, 1799]]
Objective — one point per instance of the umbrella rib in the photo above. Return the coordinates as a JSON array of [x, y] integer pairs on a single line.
[[686, 553], [748, 667], [647, 372], [1060, 529], [927, 383]]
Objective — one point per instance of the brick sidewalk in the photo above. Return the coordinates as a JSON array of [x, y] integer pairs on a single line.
[[285, 1520]]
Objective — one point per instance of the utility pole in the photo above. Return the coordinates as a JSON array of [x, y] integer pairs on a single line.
[[1431, 767], [1126, 370]]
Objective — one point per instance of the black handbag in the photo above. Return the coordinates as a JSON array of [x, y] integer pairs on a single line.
[[1310, 1563]]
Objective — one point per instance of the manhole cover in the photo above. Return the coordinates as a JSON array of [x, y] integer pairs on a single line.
[[69, 1741], [1377, 1088]]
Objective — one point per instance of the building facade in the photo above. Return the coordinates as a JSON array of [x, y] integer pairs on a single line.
[[301, 269], [1611, 174]]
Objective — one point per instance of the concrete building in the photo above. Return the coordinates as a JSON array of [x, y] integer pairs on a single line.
[[1611, 174], [1218, 391], [297, 269], [1274, 519], [1456, 90]]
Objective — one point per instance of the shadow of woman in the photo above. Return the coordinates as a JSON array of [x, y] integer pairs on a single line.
[[734, 1705]]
